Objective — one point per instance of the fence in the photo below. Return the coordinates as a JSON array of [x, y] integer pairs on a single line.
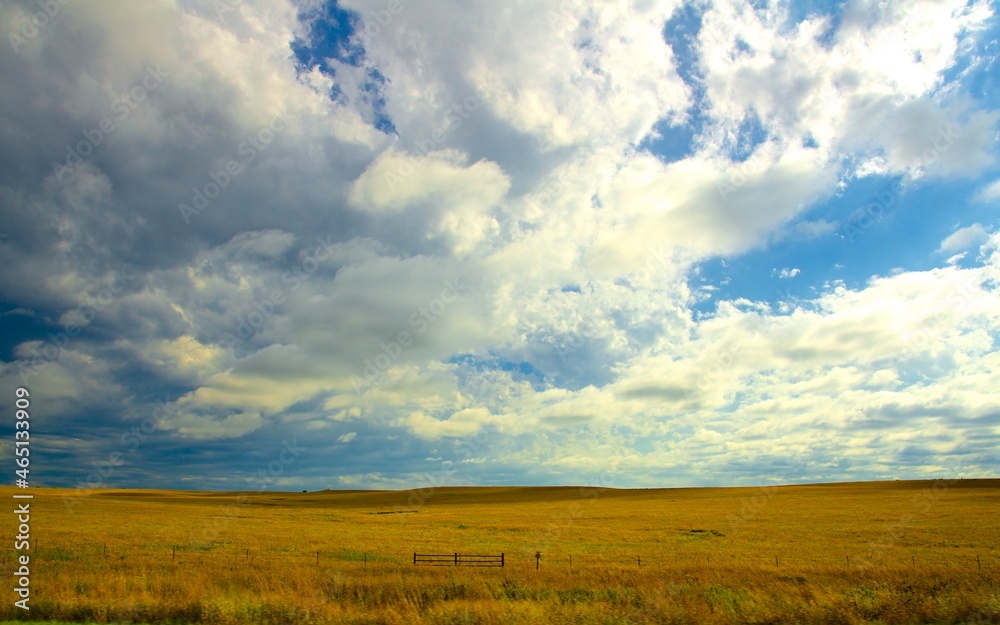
[[183, 556], [457, 559]]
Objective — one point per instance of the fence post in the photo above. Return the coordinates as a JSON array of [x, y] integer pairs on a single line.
[[501, 560], [456, 559], [979, 564], [414, 558]]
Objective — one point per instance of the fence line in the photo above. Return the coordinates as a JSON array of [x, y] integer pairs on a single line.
[[181, 555]]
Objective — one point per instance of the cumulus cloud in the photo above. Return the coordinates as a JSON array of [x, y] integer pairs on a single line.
[[964, 239], [438, 193], [989, 193], [531, 239]]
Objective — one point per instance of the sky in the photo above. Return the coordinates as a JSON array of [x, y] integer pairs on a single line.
[[292, 244]]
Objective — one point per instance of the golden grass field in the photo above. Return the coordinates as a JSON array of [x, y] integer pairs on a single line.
[[708, 555]]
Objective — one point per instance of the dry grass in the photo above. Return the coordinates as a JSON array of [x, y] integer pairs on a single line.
[[912, 549]]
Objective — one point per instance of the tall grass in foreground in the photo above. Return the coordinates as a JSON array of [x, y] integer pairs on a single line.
[[146, 557], [389, 593]]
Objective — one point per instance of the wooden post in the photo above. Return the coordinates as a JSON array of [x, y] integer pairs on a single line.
[[501, 560], [414, 558], [979, 564], [538, 554], [456, 559], [775, 560], [848, 561], [639, 560]]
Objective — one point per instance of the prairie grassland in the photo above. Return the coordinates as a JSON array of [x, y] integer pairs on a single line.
[[727, 555]]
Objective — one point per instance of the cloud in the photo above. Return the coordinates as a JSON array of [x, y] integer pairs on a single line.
[[989, 193], [461, 423], [476, 234], [205, 427], [563, 73], [786, 273], [448, 200], [964, 239]]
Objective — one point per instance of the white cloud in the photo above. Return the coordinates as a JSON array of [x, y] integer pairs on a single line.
[[564, 73], [989, 193], [449, 199], [462, 423], [866, 90], [709, 206], [964, 239], [913, 349]]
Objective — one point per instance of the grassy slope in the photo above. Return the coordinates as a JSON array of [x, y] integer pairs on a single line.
[[725, 573]]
